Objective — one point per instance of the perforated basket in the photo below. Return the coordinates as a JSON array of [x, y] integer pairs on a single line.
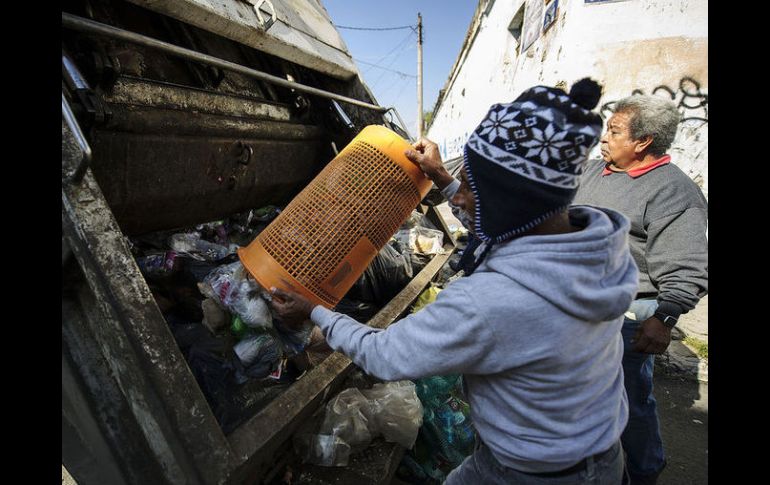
[[327, 236]]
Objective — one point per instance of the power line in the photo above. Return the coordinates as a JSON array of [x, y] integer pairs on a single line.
[[403, 74], [396, 51], [393, 61], [400, 44], [374, 28]]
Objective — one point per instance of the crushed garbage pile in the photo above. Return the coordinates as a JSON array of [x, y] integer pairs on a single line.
[[241, 355]]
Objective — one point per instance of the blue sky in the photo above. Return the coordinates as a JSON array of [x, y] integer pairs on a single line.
[[445, 23]]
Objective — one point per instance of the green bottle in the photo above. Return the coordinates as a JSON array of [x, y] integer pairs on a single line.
[[237, 327]]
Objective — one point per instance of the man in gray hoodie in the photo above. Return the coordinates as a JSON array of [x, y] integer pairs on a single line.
[[535, 327]]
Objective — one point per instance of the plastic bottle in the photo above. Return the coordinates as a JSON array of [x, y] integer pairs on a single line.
[[158, 264], [191, 244]]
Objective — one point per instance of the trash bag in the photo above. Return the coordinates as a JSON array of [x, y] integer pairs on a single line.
[[322, 449], [388, 273], [356, 309], [266, 214], [354, 417], [159, 264], [421, 240], [209, 363], [318, 349], [419, 261], [396, 411], [216, 232], [187, 333], [294, 340], [447, 435], [447, 271], [237, 292], [196, 270], [191, 244], [346, 417], [429, 295], [418, 219], [257, 355], [214, 317], [237, 328]]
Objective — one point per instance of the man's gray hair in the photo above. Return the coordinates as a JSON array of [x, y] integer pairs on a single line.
[[653, 116]]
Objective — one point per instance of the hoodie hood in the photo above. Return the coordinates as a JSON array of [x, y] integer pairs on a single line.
[[589, 274]]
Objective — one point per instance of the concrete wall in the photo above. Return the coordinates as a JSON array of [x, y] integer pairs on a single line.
[[652, 46]]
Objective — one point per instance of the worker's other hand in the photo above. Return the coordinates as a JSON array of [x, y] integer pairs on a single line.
[[426, 155], [652, 337], [292, 308]]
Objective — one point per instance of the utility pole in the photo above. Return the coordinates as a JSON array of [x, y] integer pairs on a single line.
[[419, 76]]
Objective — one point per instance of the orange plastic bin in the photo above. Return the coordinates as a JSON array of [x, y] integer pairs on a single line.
[[327, 236]]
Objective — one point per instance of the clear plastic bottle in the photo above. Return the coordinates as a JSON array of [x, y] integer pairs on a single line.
[[190, 243]]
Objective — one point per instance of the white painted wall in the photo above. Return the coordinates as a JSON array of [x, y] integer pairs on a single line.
[[654, 46]]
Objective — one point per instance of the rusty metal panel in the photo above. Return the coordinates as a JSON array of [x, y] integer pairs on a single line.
[[129, 90], [171, 156], [155, 182], [129, 335], [296, 30]]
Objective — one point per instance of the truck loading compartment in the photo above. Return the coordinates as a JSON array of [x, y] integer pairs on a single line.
[[153, 141]]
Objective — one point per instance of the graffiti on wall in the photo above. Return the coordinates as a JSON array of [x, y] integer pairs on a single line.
[[453, 147], [689, 151], [689, 98]]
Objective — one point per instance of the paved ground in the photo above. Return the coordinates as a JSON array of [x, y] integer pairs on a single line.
[[681, 389], [683, 410]]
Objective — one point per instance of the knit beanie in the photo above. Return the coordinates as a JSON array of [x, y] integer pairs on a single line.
[[524, 160]]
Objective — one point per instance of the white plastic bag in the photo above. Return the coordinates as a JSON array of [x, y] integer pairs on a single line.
[[323, 449], [421, 240], [354, 417], [231, 286], [396, 411], [346, 418]]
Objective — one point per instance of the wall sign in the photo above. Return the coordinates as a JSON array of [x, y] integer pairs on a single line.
[[550, 14], [533, 23]]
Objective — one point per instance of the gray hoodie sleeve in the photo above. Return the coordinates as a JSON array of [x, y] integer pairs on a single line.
[[446, 336], [450, 190], [677, 258]]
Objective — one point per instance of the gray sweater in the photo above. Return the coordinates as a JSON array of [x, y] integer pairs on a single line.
[[536, 332], [669, 217]]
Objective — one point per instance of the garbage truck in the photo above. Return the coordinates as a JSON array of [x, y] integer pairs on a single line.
[[176, 113]]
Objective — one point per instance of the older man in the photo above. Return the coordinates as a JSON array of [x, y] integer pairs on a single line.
[[668, 214]]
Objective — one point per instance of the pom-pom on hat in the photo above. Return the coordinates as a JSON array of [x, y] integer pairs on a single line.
[[524, 160]]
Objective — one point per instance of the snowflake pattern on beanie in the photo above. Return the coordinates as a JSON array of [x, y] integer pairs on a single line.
[[525, 158]]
